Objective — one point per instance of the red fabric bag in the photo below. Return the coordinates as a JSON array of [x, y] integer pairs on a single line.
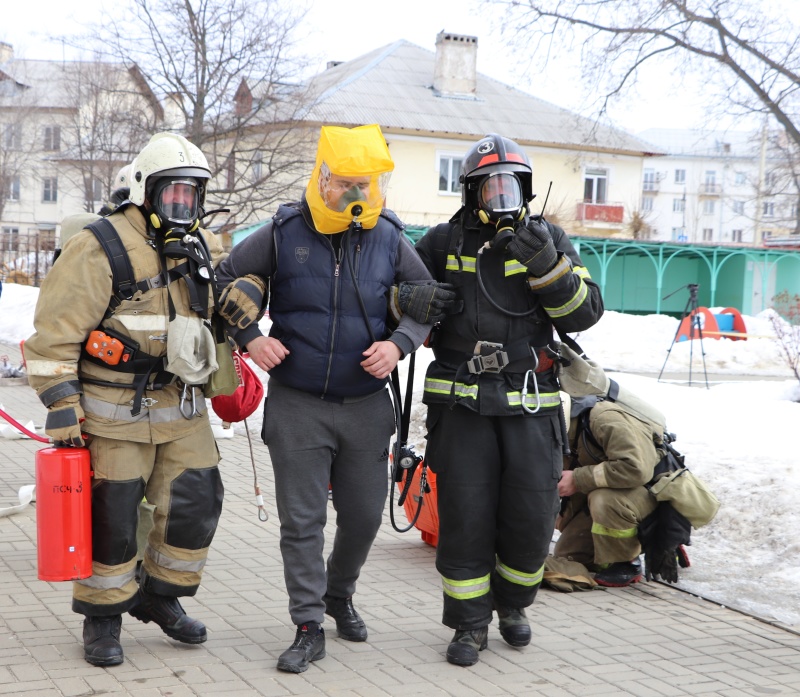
[[245, 399]]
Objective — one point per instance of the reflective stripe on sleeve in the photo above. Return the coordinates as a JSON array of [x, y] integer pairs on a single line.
[[575, 302]]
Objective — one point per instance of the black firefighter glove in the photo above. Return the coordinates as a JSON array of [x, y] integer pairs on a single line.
[[532, 246], [63, 423], [242, 300], [426, 302], [662, 534]]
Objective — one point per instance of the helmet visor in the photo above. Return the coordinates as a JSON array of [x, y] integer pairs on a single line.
[[177, 200], [500, 192]]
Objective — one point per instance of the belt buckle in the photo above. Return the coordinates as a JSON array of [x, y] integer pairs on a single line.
[[487, 363]]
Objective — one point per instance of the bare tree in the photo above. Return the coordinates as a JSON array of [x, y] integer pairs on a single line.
[[16, 112], [745, 50], [229, 75], [113, 113]]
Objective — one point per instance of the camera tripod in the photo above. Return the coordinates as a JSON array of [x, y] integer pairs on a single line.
[[695, 324]]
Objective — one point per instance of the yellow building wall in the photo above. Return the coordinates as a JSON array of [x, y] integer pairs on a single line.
[[414, 190]]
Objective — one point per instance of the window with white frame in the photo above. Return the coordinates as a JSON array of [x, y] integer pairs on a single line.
[[595, 186], [678, 205], [708, 234], [97, 189], [9, 242], [771, 179], [647, 204], [449, 172], [740, 179], [50, 189], [680, 176], [768, 209], [738, 207], [710, 181], [52, 138], [257, 165], [12, 189], [736, 235], [708, 206], [12, 136], [650, 181], [678, 234]]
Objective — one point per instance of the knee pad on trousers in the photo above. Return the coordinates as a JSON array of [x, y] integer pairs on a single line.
[[195, 505], [114, 517]]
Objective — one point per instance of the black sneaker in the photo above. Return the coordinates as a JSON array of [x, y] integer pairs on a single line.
[[620, 574], [168, 614], [349, 624], [101, 645], [309, 645], [464, 647], [514, 626]]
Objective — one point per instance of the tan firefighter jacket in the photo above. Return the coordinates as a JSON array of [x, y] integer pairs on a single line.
[[72, 302], [628, 454]]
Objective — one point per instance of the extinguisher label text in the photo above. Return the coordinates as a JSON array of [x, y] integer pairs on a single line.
[[68, 488]]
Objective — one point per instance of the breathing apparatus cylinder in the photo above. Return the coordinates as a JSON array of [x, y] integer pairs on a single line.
[[63, 514]]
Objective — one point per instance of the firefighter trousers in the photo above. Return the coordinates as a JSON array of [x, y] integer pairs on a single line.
[[497, 480], [181, 480]]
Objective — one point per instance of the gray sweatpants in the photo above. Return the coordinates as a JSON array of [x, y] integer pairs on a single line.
[[313, 443]]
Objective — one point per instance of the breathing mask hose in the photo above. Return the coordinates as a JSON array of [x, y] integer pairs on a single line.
[[505, 232], [355, 227]]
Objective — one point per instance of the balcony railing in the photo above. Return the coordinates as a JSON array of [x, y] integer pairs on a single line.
[[708, 189], [601, 212]]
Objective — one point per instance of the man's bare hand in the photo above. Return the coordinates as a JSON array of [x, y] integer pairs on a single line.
[[566, 485], [381, 359], [267, 352]]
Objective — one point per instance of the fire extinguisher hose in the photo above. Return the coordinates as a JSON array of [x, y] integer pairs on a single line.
[[16, 424]]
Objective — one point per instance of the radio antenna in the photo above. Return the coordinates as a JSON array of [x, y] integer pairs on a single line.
[[547, 195]]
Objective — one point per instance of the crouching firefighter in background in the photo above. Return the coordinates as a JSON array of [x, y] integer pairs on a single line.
[[121, 352], [494, 419]]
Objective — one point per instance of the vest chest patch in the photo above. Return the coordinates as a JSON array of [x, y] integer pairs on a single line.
[[301, 254]]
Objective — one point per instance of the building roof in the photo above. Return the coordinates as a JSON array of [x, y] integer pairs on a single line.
[[52, 84], [703, 143], [393, 86]]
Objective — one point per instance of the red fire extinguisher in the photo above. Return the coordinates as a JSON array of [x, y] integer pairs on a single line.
[[64, 513]]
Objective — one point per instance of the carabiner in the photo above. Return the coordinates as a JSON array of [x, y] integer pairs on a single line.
[[185, 402], [535, 387]]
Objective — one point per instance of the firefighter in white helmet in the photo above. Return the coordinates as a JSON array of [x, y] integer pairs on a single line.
[[142, 277]]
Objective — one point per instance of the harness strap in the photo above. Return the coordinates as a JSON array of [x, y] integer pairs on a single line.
[[492, 357]]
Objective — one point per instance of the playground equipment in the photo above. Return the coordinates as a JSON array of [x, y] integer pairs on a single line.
[[727, 324]]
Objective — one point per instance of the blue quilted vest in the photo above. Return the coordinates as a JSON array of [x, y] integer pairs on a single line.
[[314, 307]]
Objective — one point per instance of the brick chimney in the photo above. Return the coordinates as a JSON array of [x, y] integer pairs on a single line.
[[6, 52], [455, 72]]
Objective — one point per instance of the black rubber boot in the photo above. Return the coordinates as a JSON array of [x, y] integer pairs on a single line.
[[101, 645], [349, 624], [168, 614], [514, 626], [464, 647], [620, 574], [309, 645]]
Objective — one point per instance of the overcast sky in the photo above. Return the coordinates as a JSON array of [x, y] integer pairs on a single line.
[[340, 34]]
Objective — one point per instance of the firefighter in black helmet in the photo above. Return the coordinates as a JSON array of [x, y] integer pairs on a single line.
[[494, 420]]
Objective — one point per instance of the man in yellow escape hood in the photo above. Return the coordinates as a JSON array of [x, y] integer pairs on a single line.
[[329, 263]]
